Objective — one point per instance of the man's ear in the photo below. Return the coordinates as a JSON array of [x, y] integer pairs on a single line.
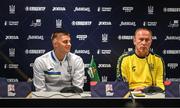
[[54, 43]]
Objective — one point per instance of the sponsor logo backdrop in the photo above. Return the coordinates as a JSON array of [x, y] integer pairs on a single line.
[[103, 28]]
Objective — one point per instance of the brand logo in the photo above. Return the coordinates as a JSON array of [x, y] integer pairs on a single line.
[[149, 23], [127, 23], [104, 9], [35, 37], [12, 52], [12, 80], [36, 23], [35, 51], [82, 51], [171, 52], [109, 90], [104, 37], [81, 23], [58, 8], [171, 10], [127, 9], [81, 37], [104, 23], [172, 38], [11, 23], [32, 8], [104, 78], [10, 37], [11, 9], [172, 65], [99, 51], [125, 37], [104, 65], [85, 9], [11, 66], [130, 37], [126, 50], [174, 23], [150, 10], [11, 90], [58, 23]]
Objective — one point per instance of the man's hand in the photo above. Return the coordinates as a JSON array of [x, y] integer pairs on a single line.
[[139, 88]]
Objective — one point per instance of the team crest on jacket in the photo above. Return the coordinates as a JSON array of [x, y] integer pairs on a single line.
[[133, 68], [151, 67]]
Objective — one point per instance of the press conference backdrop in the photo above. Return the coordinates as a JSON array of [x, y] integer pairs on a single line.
[[103, 28]]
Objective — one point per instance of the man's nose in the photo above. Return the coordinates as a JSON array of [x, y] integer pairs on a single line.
[[144, 42], [69, 43]]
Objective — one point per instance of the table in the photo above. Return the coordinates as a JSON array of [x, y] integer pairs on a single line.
[[147, 96], [57, 99], [87, 94], [47, 95]]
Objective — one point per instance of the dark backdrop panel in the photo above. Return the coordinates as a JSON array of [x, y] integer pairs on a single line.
[[103, 28]]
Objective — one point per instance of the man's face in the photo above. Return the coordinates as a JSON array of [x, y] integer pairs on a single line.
[[142, 41], [62, 43]]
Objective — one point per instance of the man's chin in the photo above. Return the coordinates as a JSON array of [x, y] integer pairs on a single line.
[[67, 51], [143, 52]]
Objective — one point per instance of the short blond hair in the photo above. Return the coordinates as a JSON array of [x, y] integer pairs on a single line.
[[143, 28], [60, 31]]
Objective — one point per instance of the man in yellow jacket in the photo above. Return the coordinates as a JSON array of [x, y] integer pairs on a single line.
[[141, 67]]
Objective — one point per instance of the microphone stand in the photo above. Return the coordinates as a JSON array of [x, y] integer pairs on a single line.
[[149, 70]]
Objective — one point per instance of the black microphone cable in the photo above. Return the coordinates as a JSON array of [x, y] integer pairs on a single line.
[[69, 69], [146, 57]]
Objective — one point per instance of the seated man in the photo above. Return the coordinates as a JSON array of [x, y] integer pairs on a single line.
[[59, 68], [141, 67]]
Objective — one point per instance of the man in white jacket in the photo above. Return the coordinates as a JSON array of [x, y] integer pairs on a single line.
[[59, 68]]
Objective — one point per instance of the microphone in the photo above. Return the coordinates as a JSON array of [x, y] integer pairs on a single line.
[[153, 88], [72, 89]]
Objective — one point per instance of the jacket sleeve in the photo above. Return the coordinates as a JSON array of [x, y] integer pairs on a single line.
[[121, 68], [160, 74], [78, 77], [38, 76]]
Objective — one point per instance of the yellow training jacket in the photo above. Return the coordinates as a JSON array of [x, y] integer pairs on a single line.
[[139, 72]]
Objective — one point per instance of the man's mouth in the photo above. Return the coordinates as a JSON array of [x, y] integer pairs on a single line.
[[144, 48]]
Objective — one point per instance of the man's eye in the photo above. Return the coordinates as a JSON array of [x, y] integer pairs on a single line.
[[147, 40], [65, 42], [141, 39]]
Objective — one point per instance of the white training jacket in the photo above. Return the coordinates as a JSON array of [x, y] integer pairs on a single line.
[[50, 74]]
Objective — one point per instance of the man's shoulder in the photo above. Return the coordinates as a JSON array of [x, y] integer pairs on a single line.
[[44, 56], [126, 54], [155, 55]]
